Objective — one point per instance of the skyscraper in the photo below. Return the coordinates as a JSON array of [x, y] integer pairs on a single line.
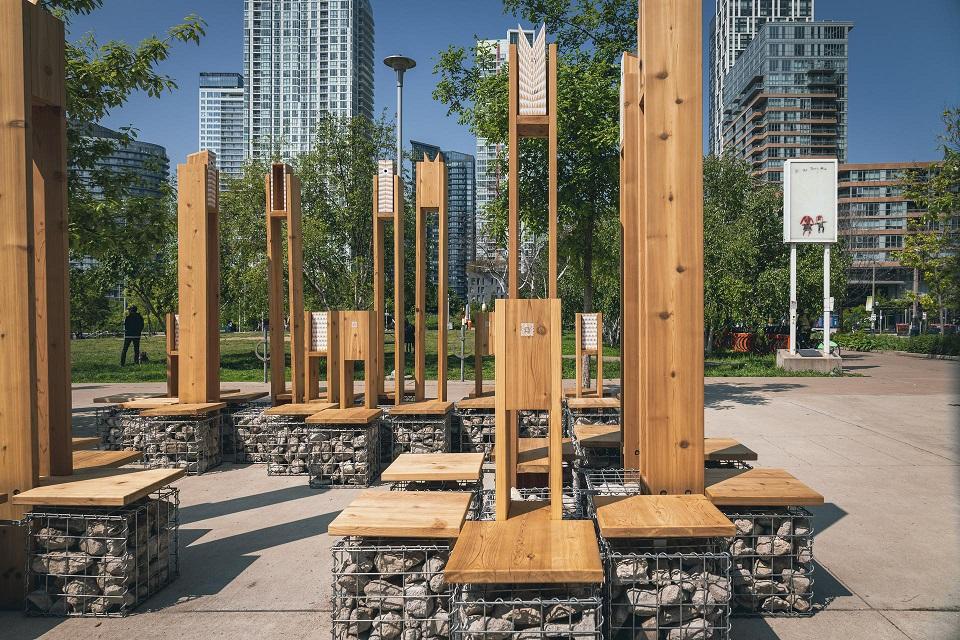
[[302, 58], [734, 25], [221, 120], [145, 163], [786, 97]]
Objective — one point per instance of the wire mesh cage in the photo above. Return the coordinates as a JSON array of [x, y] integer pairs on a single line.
[[230, 420], [772, 560], [528, 612], [676, 589], [591, 415], [253, 435], [101, 562], [295, 445], [390, 588], [191, 443], [421, 433], [727, 464], [534, 423], [344, 456], [613, 482], [477, 429], [111, 424], [573, 499], [589, 456]]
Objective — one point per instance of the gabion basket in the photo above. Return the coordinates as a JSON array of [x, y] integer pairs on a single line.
[[101, 562], [614, 482], [573, 500], [672, 589], [191, 443], [296, 445], [344, 456], [593, 415], [772, 560], [594, 458], [534, 423], [228, 425], [253, 435], [390, 588], [421, 434], [508, 612], [477, 428], [111, 424]]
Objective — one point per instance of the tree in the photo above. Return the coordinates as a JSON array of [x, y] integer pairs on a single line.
[[932, 245], [591, 35]]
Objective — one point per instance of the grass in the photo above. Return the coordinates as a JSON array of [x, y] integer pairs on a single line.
[[98, 360]]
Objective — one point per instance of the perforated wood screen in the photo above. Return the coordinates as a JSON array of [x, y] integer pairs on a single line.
[[385, 173], [533, 75], [213, 182], [176, 331], [589, 332], [318, 331]]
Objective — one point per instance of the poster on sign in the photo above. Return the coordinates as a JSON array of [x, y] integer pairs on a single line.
[[810, 201]]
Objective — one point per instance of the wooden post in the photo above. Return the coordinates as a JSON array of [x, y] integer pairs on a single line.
[[483, 345], [358, 343], [173, 355], [283, 205], [388, 208], [321, 341], [670, 234], [431, 195], [199, 279], [513, 177]]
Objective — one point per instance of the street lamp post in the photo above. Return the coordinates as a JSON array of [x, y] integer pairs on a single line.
[[400, 64]]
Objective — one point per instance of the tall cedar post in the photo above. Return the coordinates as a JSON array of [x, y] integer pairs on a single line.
[[431, 195], [283, 205], [198, 244], [483, 343], [35, 419], [671, 247], [173, 355], [388, 208], [631, 278]]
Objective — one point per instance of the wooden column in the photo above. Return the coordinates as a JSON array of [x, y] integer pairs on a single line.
[[199, 279], [431, 195], [553, 179], [671, 247], [513, 177], [173, 355], [321, 341], [387, 209], [631, 277], [283, 205]]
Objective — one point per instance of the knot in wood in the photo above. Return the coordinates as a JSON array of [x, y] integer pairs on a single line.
[[665, 314], [684, 444], [663, 75], [664, 135], [681, 268]]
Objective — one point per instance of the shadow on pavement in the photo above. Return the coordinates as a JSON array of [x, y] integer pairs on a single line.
[[726, 395], [206, 510]]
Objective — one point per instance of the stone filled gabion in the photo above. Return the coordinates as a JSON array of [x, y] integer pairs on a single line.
[[228, 427], [191, 443], [421, 434], [612, 482], [573, 500], [101, 561], [477, 428], [390, 589], [772, 560], [527, 612], [667, 589], [593, 415], [590, 457], [253, 435], [341, 456], [111, 424], [300, 447], [534, 423]]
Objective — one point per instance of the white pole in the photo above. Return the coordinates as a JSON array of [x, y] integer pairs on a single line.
[[826, 299], [400, 123], [793, 298]]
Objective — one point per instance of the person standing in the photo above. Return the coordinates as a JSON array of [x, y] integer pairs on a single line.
[[132, 329]]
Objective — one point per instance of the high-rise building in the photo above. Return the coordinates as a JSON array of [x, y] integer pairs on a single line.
[[222, 119], [734, 25], [302, 58], [873, 220], [786, 97], [461, 215], [146, 163]]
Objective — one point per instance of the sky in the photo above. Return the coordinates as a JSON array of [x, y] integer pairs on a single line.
[[903, 66]]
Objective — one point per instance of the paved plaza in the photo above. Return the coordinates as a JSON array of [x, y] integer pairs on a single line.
[[883, 449]]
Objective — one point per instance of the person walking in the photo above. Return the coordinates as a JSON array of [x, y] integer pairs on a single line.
[[132, 329]]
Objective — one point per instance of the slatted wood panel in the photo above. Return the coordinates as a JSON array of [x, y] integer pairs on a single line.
[[589, 344], [660, 517], [322, 340], [199, 279], [403, 514]]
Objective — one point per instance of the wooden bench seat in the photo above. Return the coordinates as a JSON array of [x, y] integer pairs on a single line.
[[425, 408], [479, 402], [403, 514], [86, 442], [673, 516], [726, 449], [141, 404], [598, 435], [434, 467], [714, 449], [528, 548], [184, 410], [300, 408], [355, 415], [533, 454], [579, 404], [98, 488], [242, 397], [117, 398], [758, 488], [90, 459]]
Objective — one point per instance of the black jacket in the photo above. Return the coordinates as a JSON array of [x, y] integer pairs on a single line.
[[133, 325]]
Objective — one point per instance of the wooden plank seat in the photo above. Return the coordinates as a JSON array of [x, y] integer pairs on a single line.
[[527, 548], [670, 516], [424, 408], [242, 397], [85, 442], [98, 487], [141, 404], [714, 449], [598, 435], [117, 398], [355, 415], [434, 467], [403, 514], [533, 454], [478, 402], [726, 449], [184, 410], [300, 408], [580, 404], [758, 488], [91, 459]]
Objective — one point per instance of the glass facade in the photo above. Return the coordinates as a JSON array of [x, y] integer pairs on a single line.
[[786, 97], [302, 58], [222, 119], [734, 25], [147, 162]]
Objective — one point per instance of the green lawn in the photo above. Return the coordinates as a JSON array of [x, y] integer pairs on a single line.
[[98, 360]]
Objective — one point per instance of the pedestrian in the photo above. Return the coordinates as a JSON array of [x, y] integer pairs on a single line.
[[132, 329]]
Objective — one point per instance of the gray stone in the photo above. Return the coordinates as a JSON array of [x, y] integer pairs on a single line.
[[696, 629], [522, 616], [384, 595], [79, 593], [744, 526], [486, 628], [775, 604], [39, 600], [387, 626], [643, 601], [53, 539], [773, 546], [420, 603]]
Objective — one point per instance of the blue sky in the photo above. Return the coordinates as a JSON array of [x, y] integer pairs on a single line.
[[903, 66]]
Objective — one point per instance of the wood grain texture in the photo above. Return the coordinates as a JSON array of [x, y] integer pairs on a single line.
[[299, 409], [527, 548], [274, 224], [173, 357], [98, 488], [148, 403], [533, 454], [295, 287], [593, 403], [87, 459], [513, 176], [553, 180], [434, 467], [477, 402], [403, 514], [354, 415], [667, 516], [184, 409], [425, 408], [241, 397], [762, 488], [83, 443], [379, 277], [598, 435], [726, 449], [116, 398]]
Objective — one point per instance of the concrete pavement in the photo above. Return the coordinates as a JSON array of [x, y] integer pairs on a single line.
[[882, 448]]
